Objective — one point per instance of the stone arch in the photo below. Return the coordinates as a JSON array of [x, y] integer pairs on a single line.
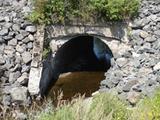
[[79, 46], [57, 36], [82, 53]]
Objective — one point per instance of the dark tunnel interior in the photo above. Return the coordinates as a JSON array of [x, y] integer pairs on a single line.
[[77, 67]]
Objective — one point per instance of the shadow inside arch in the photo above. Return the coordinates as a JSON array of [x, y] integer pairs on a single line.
[[81, 54]]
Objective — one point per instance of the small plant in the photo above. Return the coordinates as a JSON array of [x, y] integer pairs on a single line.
[[45, 52], [38, 13]]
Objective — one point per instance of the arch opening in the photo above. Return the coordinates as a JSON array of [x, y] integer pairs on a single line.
[[77, 67]]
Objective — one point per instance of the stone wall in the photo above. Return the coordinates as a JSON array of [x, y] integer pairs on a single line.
[[17, 36], [136, 72]]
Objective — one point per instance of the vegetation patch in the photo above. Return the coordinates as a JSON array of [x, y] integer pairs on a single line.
[[148, 109], [69, 11], [45, 52], [103, 106]]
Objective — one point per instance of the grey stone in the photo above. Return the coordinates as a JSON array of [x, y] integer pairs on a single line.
[[129, 85], [2, 60], [8, 18], [121, 62], [7, 38], [147, 28], [2, 69], [9, 50], [25, 24], [23, 80], [144, 34], [148, 91], [108, 83], [150, 82], [24, 33], [26, 40], [137, 24], [1, 3], [136, 34], [4, 32], [151, 39], [6, 3], [25, 68], [133, 97], [4, 79], [1, 40], [31, 37], [19, 94], [8, 25], [7, 89], [16, 27], [26, 10], [16, 67], [137, 88], [31, 29], [144, 71], [158, 79], [27, 57], [34, 79], [12, 34], [6, 100], [156, 67], [2, 19], [18, 59], [12, 42], [19, 37], [30, 45], [13, 76], [156, 44], [157, 32], [21, 48], [153, 17]]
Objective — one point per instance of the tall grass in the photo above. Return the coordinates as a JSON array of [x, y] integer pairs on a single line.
[[102, 107]]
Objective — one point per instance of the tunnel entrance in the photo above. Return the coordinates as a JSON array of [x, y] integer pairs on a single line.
[[77, 67]]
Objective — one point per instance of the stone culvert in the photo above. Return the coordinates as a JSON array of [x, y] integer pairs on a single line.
[[135, 71]]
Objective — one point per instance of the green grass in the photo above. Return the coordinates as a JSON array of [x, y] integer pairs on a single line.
[[90, 11], [148, 109], [103, 106]]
